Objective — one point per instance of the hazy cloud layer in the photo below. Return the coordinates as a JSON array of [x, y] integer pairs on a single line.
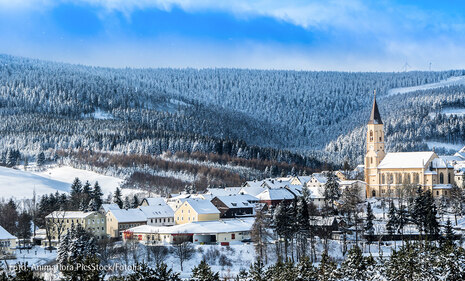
[[339, 35]]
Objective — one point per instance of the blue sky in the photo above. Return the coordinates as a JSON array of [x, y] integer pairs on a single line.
[[302, 35]]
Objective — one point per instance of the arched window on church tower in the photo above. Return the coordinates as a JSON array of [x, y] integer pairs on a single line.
[[448, 178], [371, 135], [441, 178]]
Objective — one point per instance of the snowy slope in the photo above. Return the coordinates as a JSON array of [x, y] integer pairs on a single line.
[[20, 184], [68, 174], [452, 81]]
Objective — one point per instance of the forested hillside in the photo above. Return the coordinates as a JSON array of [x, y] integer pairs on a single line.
[[45, 105]]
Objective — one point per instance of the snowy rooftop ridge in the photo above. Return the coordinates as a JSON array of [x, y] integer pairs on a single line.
[[157, 211], [406, 159], [129, 215], [203, 227], [4, 235], [69, 214], [202, 206], [238, 201]]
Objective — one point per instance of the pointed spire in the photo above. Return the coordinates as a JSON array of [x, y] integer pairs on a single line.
[[375, 117]]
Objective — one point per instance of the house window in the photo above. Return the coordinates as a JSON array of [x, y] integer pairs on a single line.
[[233, 236], [437, 192]]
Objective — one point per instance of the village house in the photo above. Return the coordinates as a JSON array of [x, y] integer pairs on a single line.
[[272, 197], [196, 210], [59, 223], [7, 244], [222, 231], [158, 215], [153, 201], [122, 219], [235, 205]]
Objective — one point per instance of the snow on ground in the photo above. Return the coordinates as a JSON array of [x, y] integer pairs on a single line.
[[68, 174], [445, 145], [21, 184], [452, 81], [34, 256], [99, 114]]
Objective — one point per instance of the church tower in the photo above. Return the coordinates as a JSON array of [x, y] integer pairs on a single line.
[[375, 150]]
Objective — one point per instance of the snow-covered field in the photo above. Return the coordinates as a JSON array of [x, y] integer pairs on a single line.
[[445, 145], [21, 184], [68, 174], [452, 81]]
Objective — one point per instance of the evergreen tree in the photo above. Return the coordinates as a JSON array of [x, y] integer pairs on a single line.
[[356, 266], [159, 273], [117, 198], [76, 194], [303, 226], [97, 196], [203, 272], [24, 226], [86, 195], [126, 204], [331, 192], [306, 271], [40, 159], [10, 158], [392, 222], [327, 271], [257, 271], [135, 202], [369, 229], [449, 234]]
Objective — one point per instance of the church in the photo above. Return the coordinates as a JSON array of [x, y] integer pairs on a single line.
[[387, 173]]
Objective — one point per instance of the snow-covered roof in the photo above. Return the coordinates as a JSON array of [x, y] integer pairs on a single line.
[[202, 206], [5, 235], [252, 190], [157, 211], [203, 227], [254, 183], [69, 214], [444, 162], [155, 201], [442, 186], [275, 183], [304, 179], [275, 194], [296, 189], [320, 177], [129, 215], [238, 201], [223, 191], [406, 160], [107, 207]]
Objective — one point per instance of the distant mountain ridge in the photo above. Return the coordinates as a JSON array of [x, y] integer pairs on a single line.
[[54, 105]]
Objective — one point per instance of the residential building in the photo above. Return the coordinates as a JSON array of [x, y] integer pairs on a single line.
[[235, 205], [158, 215], [59, 223], [7, 243], [196, 210], [122, 219]]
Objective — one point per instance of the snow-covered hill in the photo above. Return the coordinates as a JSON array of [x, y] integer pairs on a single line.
[[451, 81], [68, 174], [21, 184]]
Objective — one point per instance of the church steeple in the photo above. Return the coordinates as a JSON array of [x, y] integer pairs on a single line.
[[375, 117], [375, 150]]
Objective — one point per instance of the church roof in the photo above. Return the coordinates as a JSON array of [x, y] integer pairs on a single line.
[[375, 117], [403, 160]]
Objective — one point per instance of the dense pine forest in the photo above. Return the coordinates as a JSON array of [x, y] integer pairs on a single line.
[[293, 117]]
